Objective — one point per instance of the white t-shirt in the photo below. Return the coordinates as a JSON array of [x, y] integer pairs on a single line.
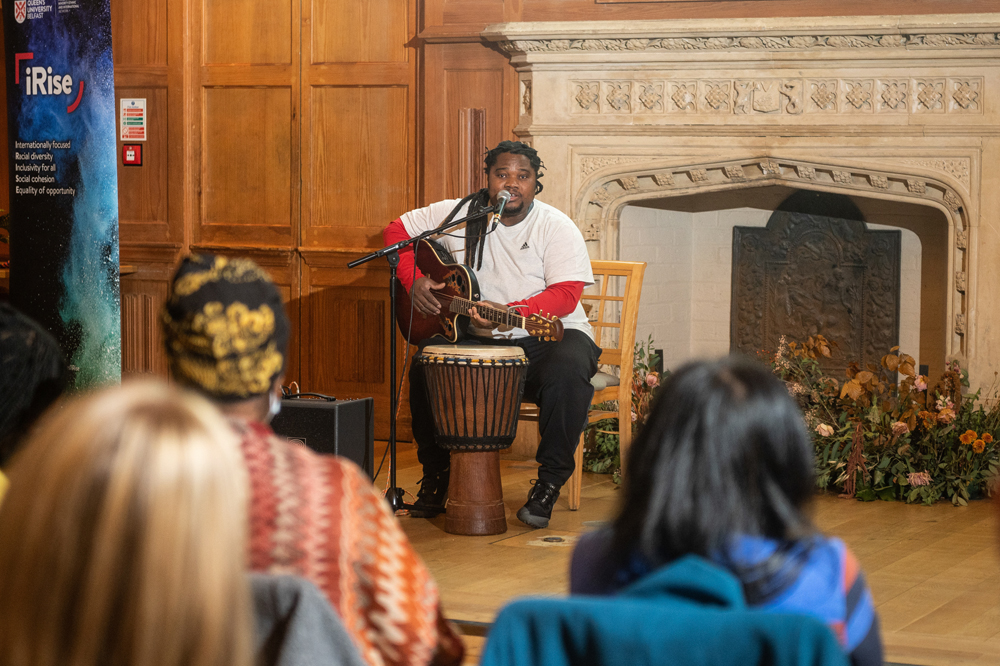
[[519, 262]]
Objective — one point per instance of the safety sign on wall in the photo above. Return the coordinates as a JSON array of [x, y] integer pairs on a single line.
[[133, 119]]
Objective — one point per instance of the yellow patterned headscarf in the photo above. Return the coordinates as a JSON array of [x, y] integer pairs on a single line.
[[225, 327]]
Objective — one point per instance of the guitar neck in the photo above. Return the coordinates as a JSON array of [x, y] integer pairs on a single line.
[[498, 317]]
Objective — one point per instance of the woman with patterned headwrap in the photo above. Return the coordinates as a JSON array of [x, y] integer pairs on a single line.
[[315, 516]]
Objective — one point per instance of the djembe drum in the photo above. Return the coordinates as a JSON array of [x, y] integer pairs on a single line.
[[475, 394]]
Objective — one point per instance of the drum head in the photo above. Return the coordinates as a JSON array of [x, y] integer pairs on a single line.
[[481, 352]]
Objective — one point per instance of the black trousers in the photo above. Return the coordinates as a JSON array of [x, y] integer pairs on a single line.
[[558, 381]]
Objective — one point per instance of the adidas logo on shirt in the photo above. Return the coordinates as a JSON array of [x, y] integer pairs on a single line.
[[525, 246]]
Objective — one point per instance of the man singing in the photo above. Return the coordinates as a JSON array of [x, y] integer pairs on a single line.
[[536, 262]]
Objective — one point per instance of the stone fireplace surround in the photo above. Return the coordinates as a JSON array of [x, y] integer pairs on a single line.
[[895, 108]]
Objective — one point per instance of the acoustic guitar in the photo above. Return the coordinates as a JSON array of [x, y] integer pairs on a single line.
[[460, 293]]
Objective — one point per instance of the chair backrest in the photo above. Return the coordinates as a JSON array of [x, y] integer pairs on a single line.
[[612, 306]]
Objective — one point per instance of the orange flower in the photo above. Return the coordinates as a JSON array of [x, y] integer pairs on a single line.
[[968, 437], [979, 446], [988, 438], [946, 415], [929, 418]]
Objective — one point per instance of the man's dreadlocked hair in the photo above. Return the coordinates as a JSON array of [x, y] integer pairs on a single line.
[[475, 230]]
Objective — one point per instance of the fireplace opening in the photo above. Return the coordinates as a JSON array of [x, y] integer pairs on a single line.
[[687, 298]]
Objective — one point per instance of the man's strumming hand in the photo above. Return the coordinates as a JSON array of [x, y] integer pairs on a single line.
[[423, 296]]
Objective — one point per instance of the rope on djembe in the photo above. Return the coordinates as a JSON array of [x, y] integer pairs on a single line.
[[474, 401]]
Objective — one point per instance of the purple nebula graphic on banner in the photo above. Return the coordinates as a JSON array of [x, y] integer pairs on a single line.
[[64, 194]]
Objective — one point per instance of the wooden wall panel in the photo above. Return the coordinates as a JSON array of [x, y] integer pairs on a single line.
[[341, 321], [358, 156], [470, 89], [454, 19], [461, 76], [143, 192], [142, 336], [359, 166], [247, 173], [588, 10], [369, 31], [345, 319], [139, 32], [248, 31], [143, 296]]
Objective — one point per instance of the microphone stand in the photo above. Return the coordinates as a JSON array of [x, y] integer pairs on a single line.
[[394, 494]]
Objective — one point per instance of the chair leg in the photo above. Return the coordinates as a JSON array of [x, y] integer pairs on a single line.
[[575, 483], [624, 435]]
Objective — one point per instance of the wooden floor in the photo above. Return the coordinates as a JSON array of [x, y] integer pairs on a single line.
[[934, 571]]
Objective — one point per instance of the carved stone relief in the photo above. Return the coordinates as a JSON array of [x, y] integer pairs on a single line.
[[929, 96], [892, 95], [650, 96], [961, 40], [960, 240], [769, 168], [858, 95], [718, 96], [630, 183], [602, 197], [525, 97], [589, 165], [959, 168], [618, 95], [663, 179], [823, 95], [587, 96], [792, 96], [808, 274], [960, 281], [806, 172], [964, 94], [879, 182], [735, 173], [684, 96], [952, 201]]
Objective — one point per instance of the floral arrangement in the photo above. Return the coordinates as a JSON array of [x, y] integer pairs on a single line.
[[602, 454], [882, 434]]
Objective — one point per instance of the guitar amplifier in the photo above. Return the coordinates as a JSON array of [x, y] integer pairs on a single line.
[[340, 427]]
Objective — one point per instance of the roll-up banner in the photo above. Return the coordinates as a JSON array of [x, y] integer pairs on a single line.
[[64, 185]]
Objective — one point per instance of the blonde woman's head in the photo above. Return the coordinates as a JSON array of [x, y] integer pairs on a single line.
[[122, 537]]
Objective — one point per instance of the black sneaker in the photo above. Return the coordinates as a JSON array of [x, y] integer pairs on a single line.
[[432, 495], [538, 509]]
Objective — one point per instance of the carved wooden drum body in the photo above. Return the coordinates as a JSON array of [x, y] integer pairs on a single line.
[[475, 393]]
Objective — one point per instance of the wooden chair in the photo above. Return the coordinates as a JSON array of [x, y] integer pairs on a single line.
[[613, 318]]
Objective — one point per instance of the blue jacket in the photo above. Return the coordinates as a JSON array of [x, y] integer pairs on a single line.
[[690, 612]]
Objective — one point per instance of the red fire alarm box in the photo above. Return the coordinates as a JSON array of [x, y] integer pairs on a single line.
[[132, 154]]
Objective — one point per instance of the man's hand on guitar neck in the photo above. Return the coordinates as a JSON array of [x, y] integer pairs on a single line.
[[479, 322], [423, 296]]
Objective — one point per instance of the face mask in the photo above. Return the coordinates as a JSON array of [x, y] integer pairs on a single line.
[[273, 406]]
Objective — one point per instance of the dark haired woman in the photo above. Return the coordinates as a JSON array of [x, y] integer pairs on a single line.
[[724, 469], [534, 260]]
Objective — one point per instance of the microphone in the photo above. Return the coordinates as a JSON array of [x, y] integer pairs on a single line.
[[503, 196]]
